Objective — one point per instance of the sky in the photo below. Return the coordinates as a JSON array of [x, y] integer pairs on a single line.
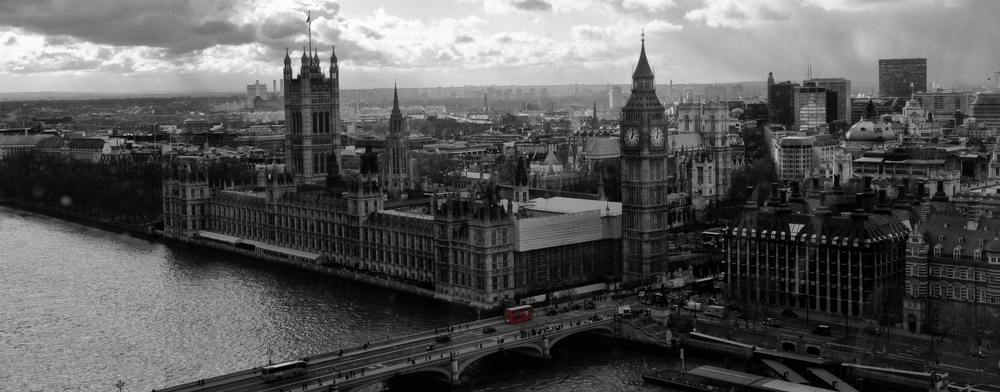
[[134, 46]]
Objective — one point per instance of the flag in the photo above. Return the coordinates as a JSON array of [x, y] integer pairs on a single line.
[[308, 16]]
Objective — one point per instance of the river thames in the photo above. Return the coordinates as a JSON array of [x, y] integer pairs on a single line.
[[83, 308]]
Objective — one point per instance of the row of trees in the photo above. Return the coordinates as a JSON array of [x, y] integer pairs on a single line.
[[126, 193]]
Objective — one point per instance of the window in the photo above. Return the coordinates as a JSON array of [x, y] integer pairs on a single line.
[[978, 255], [957, 253], [937, 251]]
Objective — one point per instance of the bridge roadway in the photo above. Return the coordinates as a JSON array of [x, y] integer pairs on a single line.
[[360, 367]]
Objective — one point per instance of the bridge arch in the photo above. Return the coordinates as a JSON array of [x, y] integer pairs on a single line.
[[600, 329], [530, 347], [433, 369]]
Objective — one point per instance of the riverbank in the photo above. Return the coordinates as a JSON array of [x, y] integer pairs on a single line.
[[149, 234]]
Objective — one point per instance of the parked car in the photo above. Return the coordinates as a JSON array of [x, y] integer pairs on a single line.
[[576, 307], [734, 308], [789, 313], [823, 330], [872, 330], [489, 330], [551, 312], [443, 339], [743, 316], [976, 354], [589, 305], [770, 322]]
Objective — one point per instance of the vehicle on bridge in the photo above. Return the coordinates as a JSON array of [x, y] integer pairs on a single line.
[[284, 370], [518, 314]]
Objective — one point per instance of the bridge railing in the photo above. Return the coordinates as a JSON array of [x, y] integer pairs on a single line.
[[209, 380]]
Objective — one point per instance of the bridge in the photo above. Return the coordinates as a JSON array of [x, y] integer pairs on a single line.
[[426, 354]]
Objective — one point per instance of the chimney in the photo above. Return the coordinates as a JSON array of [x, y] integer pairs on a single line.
[[774, 200], [836, 190], [796, 196], [940, 195]]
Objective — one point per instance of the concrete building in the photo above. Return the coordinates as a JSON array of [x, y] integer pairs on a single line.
[[808, 156], [842, 87], [942, 105], [902, 77], [985, 109]]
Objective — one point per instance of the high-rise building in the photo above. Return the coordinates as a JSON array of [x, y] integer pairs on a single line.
[[842, 87], [312, 120], [396, 155], [901, 77], [644, 178], [614, 97], [810, 108], [781, 101]]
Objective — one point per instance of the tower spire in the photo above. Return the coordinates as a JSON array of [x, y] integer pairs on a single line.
[[309, 27]]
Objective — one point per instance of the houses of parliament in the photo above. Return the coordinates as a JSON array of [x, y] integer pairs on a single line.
[[477, 245]]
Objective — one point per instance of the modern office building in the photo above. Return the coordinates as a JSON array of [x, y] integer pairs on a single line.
[[781, 101], [842, 87], [942, 105], [809, 108], [902, 77]]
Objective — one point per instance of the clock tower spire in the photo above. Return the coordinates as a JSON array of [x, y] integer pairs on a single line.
[[644, 178]]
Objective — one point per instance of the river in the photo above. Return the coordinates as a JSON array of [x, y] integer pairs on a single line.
[[83, 308]]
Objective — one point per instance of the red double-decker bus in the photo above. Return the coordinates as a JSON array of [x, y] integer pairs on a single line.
[[518, 314]]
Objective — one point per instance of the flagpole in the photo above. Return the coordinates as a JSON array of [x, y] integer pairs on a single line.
[[309, 27]]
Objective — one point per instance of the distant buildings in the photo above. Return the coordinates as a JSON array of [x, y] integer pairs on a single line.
[[614, 97], [985, 109], [901, 77]]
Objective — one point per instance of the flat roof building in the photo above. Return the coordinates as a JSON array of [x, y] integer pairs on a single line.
[[902, 77]]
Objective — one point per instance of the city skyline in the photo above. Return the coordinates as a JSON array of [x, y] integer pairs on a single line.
[[223, 45]]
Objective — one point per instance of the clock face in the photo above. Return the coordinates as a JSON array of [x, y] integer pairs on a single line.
[[631, 137], [656, 136]]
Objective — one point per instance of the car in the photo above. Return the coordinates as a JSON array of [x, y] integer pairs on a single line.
[[589, 305], [734, 308], [789, 313], [743, 316], [770, 322], [576, 307], [443, 339], [564, 309], [872, 330], [489, 330], [823, 330], [976, 354], [551, 312]]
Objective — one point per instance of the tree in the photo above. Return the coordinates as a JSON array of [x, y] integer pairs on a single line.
[[435, 167]]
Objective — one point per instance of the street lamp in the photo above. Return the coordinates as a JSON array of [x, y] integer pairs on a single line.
[[270, 352], [120, 384]]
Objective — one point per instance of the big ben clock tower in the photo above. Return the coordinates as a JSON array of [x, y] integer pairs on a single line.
[[644, 178]]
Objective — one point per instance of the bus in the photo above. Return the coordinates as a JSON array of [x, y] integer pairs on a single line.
[[283, 370], [518, 314]]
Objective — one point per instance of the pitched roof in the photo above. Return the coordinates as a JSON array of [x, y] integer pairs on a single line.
[[602, 146], [950, 233], [22, 140]]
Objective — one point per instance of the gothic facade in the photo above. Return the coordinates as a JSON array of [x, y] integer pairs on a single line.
[[312, 119], [644, 161], [396, 155]]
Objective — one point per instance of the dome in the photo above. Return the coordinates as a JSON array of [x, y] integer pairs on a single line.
[[870, 131], [736, 113], [993, 246]]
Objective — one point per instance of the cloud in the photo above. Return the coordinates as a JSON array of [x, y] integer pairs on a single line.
[[741, 13], [531, 5]]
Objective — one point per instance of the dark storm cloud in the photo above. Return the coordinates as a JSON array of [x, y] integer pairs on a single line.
[[532, 5], [176, 26]]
